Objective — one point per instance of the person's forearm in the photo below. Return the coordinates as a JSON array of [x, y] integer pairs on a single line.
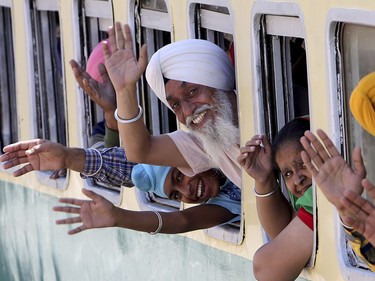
[[110, 120], [135, 138], [140, 146], [274, 211], [148, 221], [75, 159], [197, 217]]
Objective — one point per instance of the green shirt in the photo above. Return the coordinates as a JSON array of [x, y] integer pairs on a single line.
[[305, 201]]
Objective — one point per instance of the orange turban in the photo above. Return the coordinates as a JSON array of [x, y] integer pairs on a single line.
[[362, 103]]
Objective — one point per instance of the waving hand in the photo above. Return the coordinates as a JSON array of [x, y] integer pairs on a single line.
[[255, 158], [38, 154], [122, 66], [95, 213]]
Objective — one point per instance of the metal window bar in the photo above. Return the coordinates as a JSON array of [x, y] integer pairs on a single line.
[[8, 102], [95, 18], [47, 79], [153, 26], [155, 29]]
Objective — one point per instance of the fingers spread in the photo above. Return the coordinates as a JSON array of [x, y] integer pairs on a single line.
[[309, 165], [110, 45], [128, 43], [76, 230], [119, 36], [310, 149], [357, 204], [91, 194], [328, 143], [369, 187], [103, 72], [359, 166], [143, 59], [69, 220], [25, 169], [71, 201]]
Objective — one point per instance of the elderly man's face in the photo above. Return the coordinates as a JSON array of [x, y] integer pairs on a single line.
[[191, 100], [208, 113]]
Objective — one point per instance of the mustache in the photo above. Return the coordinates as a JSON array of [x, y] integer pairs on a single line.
[[197, 111]]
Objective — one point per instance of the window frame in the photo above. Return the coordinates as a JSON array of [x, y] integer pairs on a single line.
[[152, 25], [213, 21], [6, 3], [96, 17], [336, 20], [43, 10], [8, 102], [286, 25]]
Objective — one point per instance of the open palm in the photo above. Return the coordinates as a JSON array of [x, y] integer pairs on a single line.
[[256, 159], [121, 63], [38, 154], [95, 213], [102, 93]]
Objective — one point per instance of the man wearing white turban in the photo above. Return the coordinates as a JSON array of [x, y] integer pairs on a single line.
[[195, 79]]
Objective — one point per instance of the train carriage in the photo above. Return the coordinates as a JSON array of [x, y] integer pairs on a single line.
[[291, 58]]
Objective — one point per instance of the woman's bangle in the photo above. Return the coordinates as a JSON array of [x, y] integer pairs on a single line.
[[267, 194], [160, 223], [127, 121], [344, 225]]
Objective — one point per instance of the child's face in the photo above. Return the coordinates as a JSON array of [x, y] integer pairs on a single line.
[[196, 189], [296, 176]]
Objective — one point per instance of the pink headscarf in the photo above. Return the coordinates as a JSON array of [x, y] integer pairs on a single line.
[[96, 57]]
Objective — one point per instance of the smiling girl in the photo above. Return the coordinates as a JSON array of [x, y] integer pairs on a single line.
[[289, 225]]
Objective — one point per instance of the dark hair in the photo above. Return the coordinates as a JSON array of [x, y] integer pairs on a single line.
[[165, 80], [291, 132]]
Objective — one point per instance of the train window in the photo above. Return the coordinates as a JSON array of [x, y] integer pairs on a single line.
[[49, 91], [94, 22], [50, 98], [354, 45], [214, 23], [357, 47], [211, 23], [153, 26], [282, 74], [155, 5], [8, 102]]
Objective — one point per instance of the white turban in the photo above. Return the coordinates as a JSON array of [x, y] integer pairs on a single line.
[[192, 60]]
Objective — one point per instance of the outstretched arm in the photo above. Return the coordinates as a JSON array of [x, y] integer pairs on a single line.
[[103, 94], [99, 213], [363, 211], [42, 155], [274, 211], [330, 171], [124, 71]]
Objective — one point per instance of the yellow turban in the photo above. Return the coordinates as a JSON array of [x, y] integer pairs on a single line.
[[362, 103]]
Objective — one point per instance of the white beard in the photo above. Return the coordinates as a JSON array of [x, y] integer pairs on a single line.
[[220, 132]]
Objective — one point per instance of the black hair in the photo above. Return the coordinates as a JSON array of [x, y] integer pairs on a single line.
[[165, 80], [291, 132]]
